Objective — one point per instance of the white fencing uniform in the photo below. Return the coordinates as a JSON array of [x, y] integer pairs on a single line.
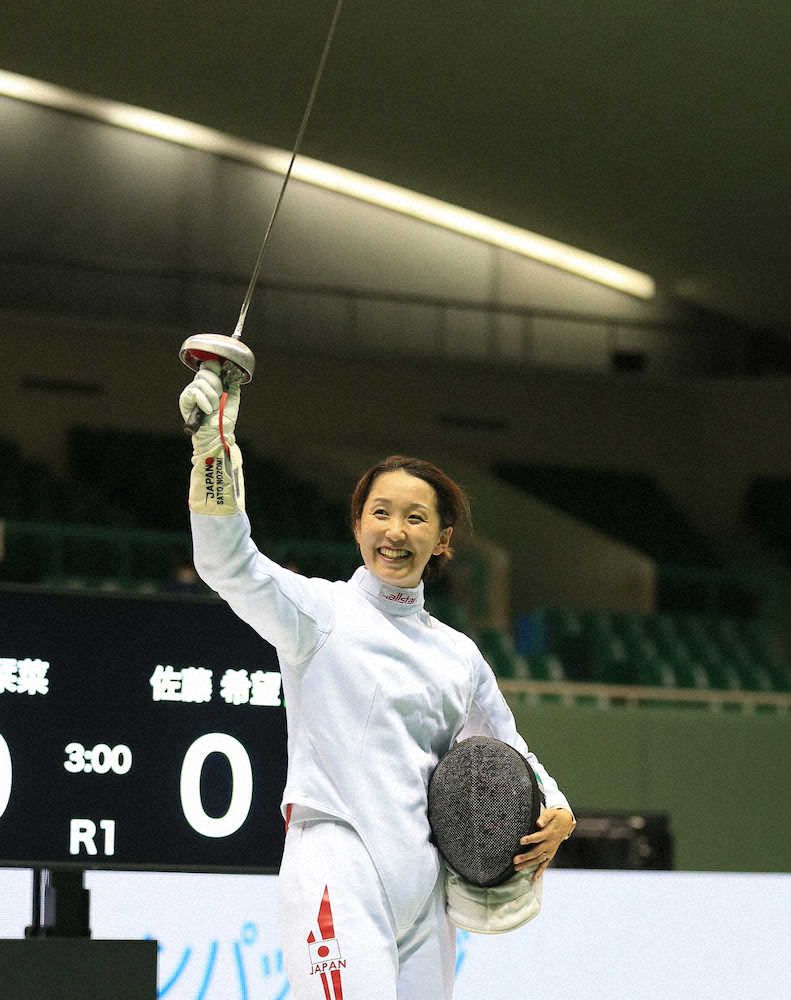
[[337, 928], [376, 692]]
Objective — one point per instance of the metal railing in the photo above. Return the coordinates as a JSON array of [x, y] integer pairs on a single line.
[[635, 695]]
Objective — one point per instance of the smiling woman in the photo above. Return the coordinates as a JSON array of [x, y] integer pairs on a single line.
[[403, 514], [376, 692]]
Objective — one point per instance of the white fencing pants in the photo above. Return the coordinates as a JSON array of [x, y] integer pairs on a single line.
[[337, 930]]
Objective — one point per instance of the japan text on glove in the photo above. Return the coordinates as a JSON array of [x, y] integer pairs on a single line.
[[216, 481]]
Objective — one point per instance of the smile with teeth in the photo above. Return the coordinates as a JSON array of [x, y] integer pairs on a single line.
[[393, 553]]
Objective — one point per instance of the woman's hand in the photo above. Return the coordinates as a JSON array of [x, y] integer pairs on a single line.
[[554, 826]]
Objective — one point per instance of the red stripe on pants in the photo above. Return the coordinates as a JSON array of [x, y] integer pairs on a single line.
[[327, 928], [326, 987], [325, 916]]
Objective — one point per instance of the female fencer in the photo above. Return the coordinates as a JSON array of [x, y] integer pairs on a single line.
[[376, 692]]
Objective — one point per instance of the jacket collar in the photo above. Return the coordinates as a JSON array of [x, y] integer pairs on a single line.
[[392, 600]]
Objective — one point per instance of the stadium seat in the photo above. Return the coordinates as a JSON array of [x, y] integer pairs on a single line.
[[685, 651], [498, 651], [544, 667]]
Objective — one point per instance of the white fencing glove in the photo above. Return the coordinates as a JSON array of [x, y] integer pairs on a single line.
[[216, 481]]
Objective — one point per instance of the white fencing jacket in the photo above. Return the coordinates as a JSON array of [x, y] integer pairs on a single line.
[[376, 692]]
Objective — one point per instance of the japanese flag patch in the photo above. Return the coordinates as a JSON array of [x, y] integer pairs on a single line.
[[324, 951]]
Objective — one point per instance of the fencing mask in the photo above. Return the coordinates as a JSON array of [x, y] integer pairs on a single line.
[[483, 797]]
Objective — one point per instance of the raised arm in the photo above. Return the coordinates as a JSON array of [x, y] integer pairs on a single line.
[[292, 613]]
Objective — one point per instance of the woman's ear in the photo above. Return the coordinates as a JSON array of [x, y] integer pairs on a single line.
[[444, 542], [356, 530]]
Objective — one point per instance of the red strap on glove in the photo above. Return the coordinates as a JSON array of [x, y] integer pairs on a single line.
[[222, 415]]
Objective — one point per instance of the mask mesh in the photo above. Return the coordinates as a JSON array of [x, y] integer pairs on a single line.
[[482, 798]]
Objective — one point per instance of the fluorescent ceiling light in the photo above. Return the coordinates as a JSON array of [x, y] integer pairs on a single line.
[[479, 227], [346, 182]]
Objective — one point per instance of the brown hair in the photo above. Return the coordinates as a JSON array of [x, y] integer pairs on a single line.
[[453, 505]]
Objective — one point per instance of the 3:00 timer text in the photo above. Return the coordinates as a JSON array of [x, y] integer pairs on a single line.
[[100, 758]]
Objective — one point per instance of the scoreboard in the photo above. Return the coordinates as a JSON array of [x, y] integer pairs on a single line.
[[137, 733]]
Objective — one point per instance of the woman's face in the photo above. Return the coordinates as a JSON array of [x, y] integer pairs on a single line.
[[399, 530]]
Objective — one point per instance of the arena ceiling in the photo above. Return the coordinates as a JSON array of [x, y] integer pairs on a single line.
[[655, 134]]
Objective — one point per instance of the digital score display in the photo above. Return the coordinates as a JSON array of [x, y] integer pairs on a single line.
[[137, 733]]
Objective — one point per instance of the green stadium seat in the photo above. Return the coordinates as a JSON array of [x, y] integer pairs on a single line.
[[544, 667], [498, 651], [662, 630], [567, 639], [624, 671], [449, 612], [659, 650]]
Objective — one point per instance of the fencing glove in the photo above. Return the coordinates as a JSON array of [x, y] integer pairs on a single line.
[[216, 480]]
